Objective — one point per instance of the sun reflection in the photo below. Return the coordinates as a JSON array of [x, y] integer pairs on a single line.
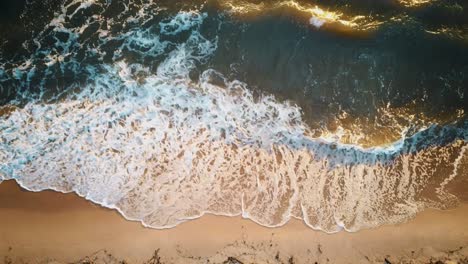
[[391, 125], [414, 3], [453, 33], [243, 7], [318, 16]]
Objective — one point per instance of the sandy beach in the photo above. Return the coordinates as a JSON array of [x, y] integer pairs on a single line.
[[234, 131], [48, 226]]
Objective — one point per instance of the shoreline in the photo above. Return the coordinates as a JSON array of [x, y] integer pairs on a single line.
[[210, 214], [48, 225]]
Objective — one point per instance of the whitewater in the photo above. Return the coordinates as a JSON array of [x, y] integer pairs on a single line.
[[162, 147]]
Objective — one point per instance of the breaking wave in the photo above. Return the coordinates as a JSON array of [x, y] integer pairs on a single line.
[[162, 147]]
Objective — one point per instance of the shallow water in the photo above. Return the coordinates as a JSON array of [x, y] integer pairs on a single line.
[[347, 116]]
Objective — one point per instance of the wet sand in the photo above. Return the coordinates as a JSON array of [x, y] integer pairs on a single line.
[[46, 226]]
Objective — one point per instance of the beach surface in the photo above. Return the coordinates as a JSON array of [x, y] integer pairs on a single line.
[[48, 226]]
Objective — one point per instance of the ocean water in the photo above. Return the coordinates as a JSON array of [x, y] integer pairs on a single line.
[[346, 115]]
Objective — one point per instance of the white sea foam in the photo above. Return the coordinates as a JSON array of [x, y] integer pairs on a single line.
[[317, 22], [163, 149], [183, 21]]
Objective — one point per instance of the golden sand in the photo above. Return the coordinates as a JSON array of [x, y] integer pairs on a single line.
[[46, 226]]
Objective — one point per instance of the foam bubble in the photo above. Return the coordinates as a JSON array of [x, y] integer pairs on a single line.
[[317, 22]]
